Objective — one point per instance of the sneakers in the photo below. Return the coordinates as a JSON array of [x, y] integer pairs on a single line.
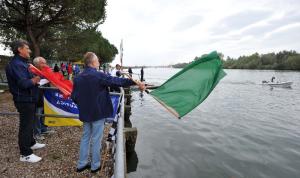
[[88, 166], [38, 146], [48, 131], [39, 137], [33, 158], [96, 170], [30, 158]]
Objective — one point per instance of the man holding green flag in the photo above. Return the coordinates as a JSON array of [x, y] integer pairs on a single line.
[[190, 86]]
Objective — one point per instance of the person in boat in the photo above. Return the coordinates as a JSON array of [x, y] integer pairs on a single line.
[[90, 93], [272, 79]]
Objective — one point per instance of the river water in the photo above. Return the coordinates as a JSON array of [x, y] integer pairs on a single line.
[[242, 130]]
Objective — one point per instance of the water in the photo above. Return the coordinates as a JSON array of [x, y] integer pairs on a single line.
[[243, 129]]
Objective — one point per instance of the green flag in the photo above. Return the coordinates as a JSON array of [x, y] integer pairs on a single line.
[[189, 87]]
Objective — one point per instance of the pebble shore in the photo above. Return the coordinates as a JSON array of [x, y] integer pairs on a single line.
[[59, 157]]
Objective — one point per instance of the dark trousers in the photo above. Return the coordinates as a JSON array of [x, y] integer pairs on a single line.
[[26, 140], [39, 127]]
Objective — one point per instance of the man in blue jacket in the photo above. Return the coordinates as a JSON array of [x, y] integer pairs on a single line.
[[23, 86], [90, 93]]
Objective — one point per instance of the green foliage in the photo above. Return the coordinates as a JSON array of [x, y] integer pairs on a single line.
[[284, 60], [180, 65], [79, 42], [57, 29], [3, 61]]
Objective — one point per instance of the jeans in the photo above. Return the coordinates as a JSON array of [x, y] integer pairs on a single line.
[[91, 140], [26, 140], [39, 126]]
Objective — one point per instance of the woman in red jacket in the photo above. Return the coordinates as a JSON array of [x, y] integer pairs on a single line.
[[70, 71]]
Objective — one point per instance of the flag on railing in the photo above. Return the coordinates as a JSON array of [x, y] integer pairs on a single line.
[[62, 111], [189, 87]]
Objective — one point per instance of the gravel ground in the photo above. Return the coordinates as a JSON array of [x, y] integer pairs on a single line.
[[59, 156]]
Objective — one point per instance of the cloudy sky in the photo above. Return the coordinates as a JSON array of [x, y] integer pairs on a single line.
[[162, 32]]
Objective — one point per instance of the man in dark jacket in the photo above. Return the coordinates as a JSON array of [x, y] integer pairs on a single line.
[[23, 87], [90, 93]]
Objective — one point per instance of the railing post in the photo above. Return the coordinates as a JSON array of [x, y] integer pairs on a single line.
[[120, 163]]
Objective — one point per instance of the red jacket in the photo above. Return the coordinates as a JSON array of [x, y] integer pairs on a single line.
[[69, 68]]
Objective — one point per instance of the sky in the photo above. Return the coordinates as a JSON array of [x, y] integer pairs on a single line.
[[164, 32]]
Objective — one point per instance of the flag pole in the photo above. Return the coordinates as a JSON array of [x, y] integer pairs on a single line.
[[168, 108], [136, 82], [121, 53], [147, 91]]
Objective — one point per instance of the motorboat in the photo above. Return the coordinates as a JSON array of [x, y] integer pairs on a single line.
[[278, 84]]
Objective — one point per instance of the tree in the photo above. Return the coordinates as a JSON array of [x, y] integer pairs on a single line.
[[40, 21], [81, 41], [221, 55], [284, 60], [268, 59]]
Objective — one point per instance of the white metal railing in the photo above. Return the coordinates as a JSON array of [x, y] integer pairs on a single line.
[[119, 171]]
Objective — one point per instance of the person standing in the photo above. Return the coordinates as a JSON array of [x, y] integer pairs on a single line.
[[142, 74], [90, 93], [77, 70], [70, 71], [39, 62], [40, 128], [130, 71], [56, 68], [63, 68], [23, 86], [117, 71]]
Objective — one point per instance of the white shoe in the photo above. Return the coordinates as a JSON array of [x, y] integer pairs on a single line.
[[48, 132], [39, 137], [30, 158], [38, 146]]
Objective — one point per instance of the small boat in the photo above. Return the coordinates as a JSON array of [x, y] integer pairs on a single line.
[[278, 84]]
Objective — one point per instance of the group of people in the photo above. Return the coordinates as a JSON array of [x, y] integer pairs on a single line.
[[118, 72], [67, 69], [90, 93]]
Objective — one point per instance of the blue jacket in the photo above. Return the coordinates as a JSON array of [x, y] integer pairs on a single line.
[[90, 93], [19, 80]]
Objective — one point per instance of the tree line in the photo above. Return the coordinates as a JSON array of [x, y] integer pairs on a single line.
[[283, 60], [56, 29]]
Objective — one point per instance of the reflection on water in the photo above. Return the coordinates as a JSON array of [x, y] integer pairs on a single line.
[[243, 129], [131, 161], [141, 98]]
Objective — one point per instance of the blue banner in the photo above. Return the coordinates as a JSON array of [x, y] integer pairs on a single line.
[[54, 103]]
